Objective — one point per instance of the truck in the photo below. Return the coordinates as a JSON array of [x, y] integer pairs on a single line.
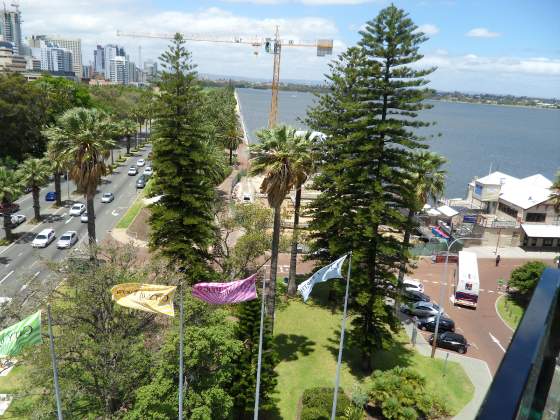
[[467, 283]]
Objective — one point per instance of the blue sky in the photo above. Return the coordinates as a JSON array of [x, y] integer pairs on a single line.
[[495, 46]]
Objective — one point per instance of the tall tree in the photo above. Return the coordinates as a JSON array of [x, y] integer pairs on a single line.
[[182, 221], [127, 128], [369, 116], [271, 158], [85, 138], [10, 187], [34, 173]]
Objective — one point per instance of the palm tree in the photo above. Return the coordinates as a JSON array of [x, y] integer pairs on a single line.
[[10, 187], [128, 128], [426, 182], [555, 193], [34, 173], [232, 139], [272, 157], [86, 135]]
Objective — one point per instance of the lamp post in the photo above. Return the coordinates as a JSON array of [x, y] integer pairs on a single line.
[[441, 292]]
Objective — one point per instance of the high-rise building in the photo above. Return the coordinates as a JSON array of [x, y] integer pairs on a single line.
[[74, 45], [10, 62], [99, 60], [53, 58], [150, 70], [118, 70], [10, 27], [111, 51]]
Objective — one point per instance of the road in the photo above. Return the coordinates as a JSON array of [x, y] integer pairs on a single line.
[[20, 263]]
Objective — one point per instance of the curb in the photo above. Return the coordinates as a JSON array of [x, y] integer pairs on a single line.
[[498, 312]]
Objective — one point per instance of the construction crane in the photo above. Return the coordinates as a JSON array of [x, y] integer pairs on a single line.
[[271, 45]]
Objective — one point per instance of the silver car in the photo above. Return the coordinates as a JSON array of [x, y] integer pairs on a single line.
[[67, 239], [421, 309]]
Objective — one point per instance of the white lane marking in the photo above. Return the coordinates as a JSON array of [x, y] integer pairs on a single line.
[[495, 340], [460, 329], [68, 221], [35, 262], [115, 213], [490, 291], [481, 290], [32, 278], [435, 282], [20, 254], [6, 276], [474, 345]]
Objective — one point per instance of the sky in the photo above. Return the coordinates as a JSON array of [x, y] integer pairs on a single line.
[[479, 46]]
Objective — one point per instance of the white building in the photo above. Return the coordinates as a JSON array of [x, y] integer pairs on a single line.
[[74, 45], [10, 28], [10, 62], [118, 70]]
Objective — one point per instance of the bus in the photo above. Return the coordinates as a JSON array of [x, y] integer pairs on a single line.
[[467, 283]]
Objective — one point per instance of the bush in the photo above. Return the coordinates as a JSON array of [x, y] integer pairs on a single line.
[[401, 393], [317, 404], [524, 279]]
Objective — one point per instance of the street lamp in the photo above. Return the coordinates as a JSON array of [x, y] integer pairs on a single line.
[[441, 292]]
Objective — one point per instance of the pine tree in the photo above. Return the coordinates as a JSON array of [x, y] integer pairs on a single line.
[[244, 379], [182, 221], [368, 116]]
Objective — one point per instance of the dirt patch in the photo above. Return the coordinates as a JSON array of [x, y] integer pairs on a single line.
[[140, 226]]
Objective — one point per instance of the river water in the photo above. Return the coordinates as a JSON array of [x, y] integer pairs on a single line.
[[474, 138]]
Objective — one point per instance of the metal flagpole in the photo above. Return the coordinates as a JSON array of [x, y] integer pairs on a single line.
[[259, 359], [55, 366], [181, 339], [337, 381]]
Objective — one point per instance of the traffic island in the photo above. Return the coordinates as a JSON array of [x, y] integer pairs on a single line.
[[509, 311]]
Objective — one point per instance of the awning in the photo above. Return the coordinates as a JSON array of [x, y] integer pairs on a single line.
[[433, 212], [447, 211], [542, 231]]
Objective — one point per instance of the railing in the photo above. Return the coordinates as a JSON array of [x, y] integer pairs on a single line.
[[527, 383]]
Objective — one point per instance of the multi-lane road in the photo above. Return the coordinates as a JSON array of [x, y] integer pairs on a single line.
[[20, 263]]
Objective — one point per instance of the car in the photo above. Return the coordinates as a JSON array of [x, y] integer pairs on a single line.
[[451, 340], [141, 182], [421, 309], [43, 238], [50, 196], [429, 324], [84, 217], [9, 208], [77, 209], [247, 197], [148, 171], [17, 219], [415, 296], [140, 162], [132, 170], [67, 239], [107, 197], [410, 284]]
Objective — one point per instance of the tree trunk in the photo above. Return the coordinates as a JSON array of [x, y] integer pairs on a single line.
[[112, 158], [7, 223], [57, 188], [138, 135], [271, 289], [36, 205], [128, 144], [230, 156], [295, 238], [402, 268], [91, 226]]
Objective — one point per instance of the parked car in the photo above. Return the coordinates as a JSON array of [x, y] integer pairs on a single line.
[[410, 284], [107, 197], [141, 182], [43, 239], [421, 309], [12, 208], [140, 162], [84, 217], [429, 324], [50, 196], [452, 341], [415, 296], [148, 171], [67, 239], [77, 209], [132, 170], [17, 219]]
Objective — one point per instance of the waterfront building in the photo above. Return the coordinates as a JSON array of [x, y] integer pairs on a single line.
[[10, 28], [10, 62]]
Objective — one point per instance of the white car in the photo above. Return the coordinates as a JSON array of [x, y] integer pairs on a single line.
[[413, 285], [77, 209], [247, 197], [107, 197], [132, 170], [43, 239], [148, 171], [67, 239], [17, 219], [140, 162], [84, 217]]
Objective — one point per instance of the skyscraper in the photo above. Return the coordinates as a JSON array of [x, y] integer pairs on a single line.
[[118, 70], [10, 27], [74, 45], [99, 60]]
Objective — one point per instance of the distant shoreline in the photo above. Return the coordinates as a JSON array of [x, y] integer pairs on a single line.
[[484, 103]]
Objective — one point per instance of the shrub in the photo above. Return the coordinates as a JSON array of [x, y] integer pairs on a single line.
[[317, 404], [401, 393], [524, 279]]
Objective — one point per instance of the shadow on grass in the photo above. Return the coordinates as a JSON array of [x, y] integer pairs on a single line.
[[291, 346]]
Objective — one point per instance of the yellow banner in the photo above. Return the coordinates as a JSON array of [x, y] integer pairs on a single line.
[[146, 297]]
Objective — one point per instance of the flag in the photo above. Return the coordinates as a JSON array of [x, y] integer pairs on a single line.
[[154, 298], [331, 271], [223, 293], [25, 333]]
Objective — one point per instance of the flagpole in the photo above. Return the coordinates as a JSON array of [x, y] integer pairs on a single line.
[[259, 359], [55, 366], [181, 339], [337, 381]]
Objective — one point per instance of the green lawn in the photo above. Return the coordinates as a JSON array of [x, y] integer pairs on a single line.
[[510, 311], [307, 338], [12, 384], [132, 212]]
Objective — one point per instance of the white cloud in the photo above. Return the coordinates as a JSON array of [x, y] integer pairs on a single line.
[[428, 29], [482, 33]]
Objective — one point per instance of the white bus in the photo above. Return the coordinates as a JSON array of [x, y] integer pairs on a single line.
[[468, 283]]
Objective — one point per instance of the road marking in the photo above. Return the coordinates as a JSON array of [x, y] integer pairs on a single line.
[[481, 290], [490, 291], [115, 213], [35, 262], [474, 345], [495, 340], [32, 278], [20, 254], [68, 221], [435, 282], [35, 275], [6, 276]]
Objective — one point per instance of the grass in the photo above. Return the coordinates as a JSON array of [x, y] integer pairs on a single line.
[[510, 311], [307, 339], [132, 212], [14, 383]]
